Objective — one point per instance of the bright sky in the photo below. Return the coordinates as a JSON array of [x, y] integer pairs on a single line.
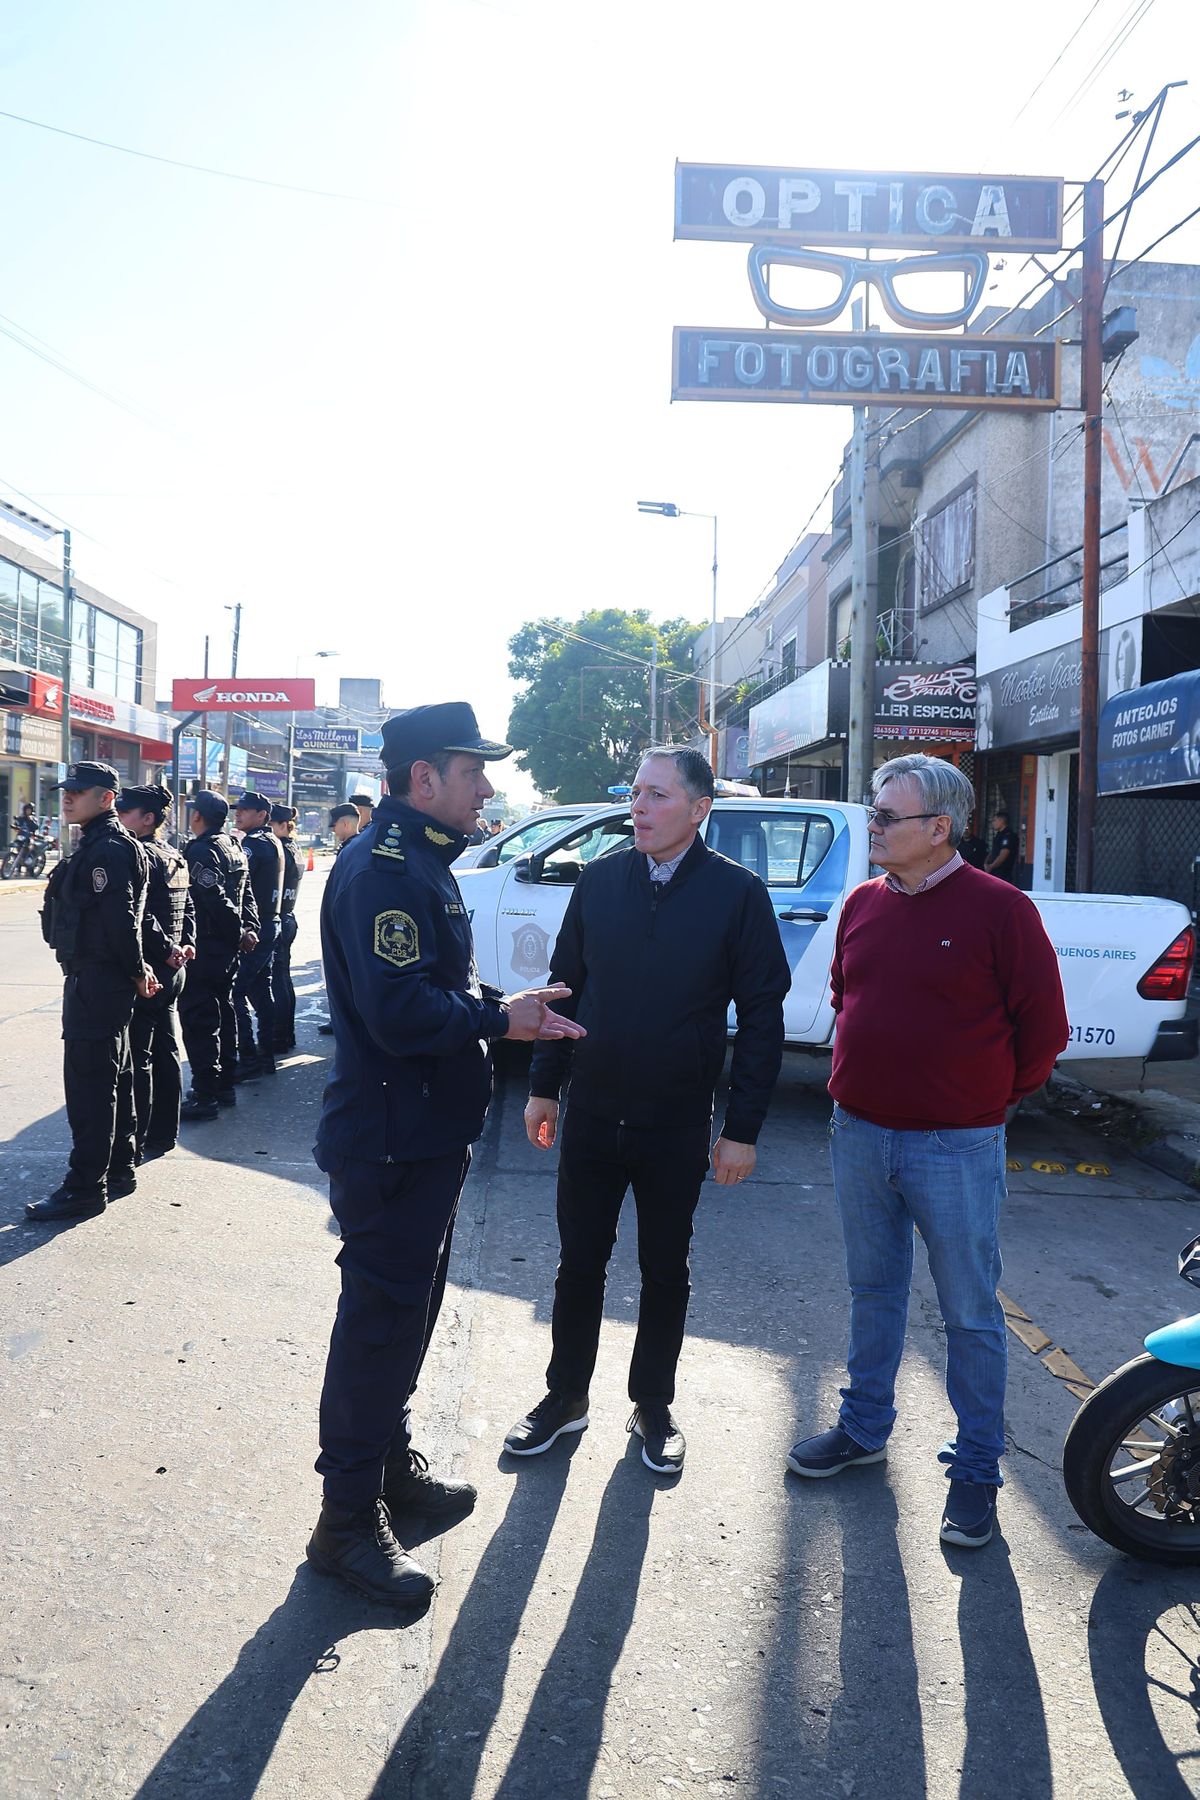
[[399, 427]]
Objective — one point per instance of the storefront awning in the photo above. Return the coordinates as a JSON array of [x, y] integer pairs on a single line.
[[918, 703], [1150, 737]]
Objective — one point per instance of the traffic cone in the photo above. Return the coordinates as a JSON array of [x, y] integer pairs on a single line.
[[312, 862]]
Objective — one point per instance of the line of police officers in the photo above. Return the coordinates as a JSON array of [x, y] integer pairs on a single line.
[[149, 938]]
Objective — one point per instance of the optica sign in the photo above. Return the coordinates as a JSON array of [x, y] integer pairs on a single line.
[[243, 693]]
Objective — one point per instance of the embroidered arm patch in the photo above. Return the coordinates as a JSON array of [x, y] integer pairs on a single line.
[[396, 939]]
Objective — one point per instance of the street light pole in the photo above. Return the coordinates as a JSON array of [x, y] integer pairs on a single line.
[[667, 509], [225, 760]]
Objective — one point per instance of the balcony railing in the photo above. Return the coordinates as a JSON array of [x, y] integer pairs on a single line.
[[1067, 588]]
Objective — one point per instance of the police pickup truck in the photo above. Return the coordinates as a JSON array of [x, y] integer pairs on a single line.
[[1125, 961]]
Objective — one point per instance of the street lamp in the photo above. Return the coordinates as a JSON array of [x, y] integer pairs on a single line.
[[41, 529], [667, 509], [304, 656]]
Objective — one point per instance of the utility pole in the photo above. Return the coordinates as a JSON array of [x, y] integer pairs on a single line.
[[64, 830], [1091, 395], [237, 632], [712, 662], [864, 569], [653, 687], [203, 769]]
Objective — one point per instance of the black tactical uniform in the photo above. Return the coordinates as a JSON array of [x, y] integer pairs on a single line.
[[168, 926], [252, 984], [224, 910], [407, 1099], [92, 920], [283, 993]]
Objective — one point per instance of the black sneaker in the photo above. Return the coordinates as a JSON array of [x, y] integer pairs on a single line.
[[246, 1068], [227, 1096], [66, 1203], [547, 1422], [196, 1108], [663, 1444], [361, 1548], [970, 1514], [121, 1186], [326, 1030], [830, 1453], [411, 1488], [151, 1152], [266, 1064]]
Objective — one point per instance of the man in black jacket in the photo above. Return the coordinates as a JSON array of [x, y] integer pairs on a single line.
[[283, 824], [92, 920], [169, 944], [656, 942], [252, 985], [226, 922]]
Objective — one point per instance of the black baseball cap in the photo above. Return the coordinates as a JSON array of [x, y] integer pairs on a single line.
[[283, 815], [253, 802], [361, 800], [83, 775], [213, 808], [422, 731], [153, 797]]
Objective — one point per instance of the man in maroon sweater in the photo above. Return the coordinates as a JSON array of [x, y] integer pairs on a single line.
[[950, 1010]]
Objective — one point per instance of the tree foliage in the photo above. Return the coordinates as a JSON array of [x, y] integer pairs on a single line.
[[583, 719]]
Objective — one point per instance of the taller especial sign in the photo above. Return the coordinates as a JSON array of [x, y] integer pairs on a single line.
[[785, 215]]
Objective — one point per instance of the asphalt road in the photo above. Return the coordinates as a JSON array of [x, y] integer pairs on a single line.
[[598, 1632]]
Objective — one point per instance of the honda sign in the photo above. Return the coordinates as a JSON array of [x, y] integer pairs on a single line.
[[242, 693]]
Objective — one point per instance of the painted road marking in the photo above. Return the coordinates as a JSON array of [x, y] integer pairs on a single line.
[[1054, 1360], [1092, 1169]]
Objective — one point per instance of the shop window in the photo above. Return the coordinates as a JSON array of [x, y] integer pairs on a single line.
[[788, 659], [8, 611], [104, 653], [129, 662], [27, 619], [81, 644], [51, 633], [945, 543]]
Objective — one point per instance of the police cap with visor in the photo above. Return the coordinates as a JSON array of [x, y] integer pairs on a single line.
[[423, 731], [153, 797], [213, 809], [81, 776]]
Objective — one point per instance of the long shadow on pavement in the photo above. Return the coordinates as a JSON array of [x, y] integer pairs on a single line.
[[1145, 1647], [440, 1748], [1008, 1747], [228, 1741]]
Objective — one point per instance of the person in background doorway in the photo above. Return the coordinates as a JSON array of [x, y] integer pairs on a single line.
[[1005, 860], [973, 849]]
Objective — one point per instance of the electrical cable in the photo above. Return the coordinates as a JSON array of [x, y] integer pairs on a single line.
[[1045, 78], [173, 162], [1126, 26]]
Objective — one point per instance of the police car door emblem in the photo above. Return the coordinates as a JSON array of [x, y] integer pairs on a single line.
[[396, 939], [99, 880], [531, 951]]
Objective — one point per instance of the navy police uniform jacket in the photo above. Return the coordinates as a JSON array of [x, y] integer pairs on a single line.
[[92, 920], [412, 1070], [221, 895]]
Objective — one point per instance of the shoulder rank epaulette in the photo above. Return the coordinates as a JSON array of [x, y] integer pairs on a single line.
[[390, 847]]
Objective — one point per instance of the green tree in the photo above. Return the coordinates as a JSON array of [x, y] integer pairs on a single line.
[[583, 719]]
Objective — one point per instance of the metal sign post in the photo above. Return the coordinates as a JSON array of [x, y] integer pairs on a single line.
[[1092, 399]]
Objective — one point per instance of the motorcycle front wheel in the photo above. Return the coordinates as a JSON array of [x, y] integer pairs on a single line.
[[8, 867], [35, 862], [1131, 1461]]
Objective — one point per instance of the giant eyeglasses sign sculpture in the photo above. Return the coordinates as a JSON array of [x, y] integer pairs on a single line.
[[784, 213]]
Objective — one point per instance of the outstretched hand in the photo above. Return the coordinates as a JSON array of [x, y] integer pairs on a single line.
[[529, 1015]]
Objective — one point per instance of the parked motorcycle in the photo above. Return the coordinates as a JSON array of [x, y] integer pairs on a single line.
[[1131, 1461], [26, 856]]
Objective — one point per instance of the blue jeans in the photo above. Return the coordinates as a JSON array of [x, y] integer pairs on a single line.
[[950, 1185]]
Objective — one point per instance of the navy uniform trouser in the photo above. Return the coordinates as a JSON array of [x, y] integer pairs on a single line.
[[206, 1015], [97, 1085], [157, 1072], [599, 1160], [252, 988], [282, 991], [396, 1222]]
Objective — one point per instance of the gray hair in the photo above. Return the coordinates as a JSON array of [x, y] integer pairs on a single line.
[[694, 768], [943, 788]]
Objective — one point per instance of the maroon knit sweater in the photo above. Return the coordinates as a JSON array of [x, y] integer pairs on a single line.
[[949, 1003]]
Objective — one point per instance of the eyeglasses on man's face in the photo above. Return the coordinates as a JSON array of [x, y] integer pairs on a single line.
[[879, 815]]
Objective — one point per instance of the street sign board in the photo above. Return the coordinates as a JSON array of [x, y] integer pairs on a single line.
[[328, 737], [833, 368], [241, 693], [754, 203]]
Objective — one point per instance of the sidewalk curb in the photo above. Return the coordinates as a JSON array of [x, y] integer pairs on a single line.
[[1174, 1153]]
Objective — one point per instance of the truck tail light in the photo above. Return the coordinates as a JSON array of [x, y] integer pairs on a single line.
[[1167, 979]]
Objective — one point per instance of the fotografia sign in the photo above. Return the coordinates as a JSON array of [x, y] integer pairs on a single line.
[[242, 693], [756, 202], [328, 737], [824, 368]]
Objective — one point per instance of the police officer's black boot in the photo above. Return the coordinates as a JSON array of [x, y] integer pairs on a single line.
[[409, 1487], [199, 1106], [66, 1203], [361, 1548]]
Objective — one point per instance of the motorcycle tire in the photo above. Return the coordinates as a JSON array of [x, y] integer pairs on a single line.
[[35, 862], [8, 867], [1147, 1403]]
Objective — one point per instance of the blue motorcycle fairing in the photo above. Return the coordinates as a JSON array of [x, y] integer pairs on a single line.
[[1178, 1343]]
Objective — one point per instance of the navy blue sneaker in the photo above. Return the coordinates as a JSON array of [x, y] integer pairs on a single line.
[[830, 1453], [970, 1514]]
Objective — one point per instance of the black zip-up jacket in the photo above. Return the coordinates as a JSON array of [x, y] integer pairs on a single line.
[[221, 894], [412, 1072], [169, 920], [264, 853], [293, 874], [652, 968]]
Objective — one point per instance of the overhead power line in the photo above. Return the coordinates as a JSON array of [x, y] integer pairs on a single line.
[[174, 162], [1032, 96]]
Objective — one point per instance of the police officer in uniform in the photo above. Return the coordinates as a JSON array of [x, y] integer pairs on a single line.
[[92, 920], [410, 1088], [252, 984], [168, 944], [283, 824], [226, 921]]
